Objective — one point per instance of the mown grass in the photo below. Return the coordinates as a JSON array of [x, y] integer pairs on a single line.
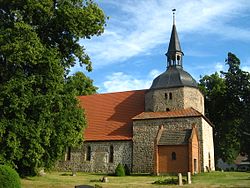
[[223, 179], [65, 180]]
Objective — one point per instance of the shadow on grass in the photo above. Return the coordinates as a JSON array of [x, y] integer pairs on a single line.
[[247, 178], [99, 174], [66, 174], [134, 174], [28, 178], [141, 174], [95, 181]]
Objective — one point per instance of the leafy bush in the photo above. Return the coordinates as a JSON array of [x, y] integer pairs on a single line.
[[120, 171], [9, 177]]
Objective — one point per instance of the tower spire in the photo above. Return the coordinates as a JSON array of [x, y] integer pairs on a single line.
[[174, 53]]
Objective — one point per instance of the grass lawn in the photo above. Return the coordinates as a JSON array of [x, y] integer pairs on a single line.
[[65, 180]]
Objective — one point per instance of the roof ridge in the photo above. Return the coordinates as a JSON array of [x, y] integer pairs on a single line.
[[188, 112], [113, 93]]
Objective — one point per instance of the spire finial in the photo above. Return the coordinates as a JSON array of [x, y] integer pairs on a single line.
[[173, 10], [174, 53]]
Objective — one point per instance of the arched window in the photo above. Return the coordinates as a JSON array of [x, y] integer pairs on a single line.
[[195, 166], [167, 109], [173, 156], [111, 154], [88, 154], [68, 154], [169, 61], [170, 96], [166, 96]]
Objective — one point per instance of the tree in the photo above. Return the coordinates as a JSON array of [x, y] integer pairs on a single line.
[[238, 95], [214, 89], [232, 119], [81, 84], [39, 115], [227, 104]]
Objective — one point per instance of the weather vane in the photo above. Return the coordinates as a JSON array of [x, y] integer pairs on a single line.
[[173, 10]]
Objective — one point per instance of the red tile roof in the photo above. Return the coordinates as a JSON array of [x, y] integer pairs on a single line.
[[189, 112], [109, 116]]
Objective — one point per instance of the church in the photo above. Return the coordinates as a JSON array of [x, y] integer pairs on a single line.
[[159, 130]]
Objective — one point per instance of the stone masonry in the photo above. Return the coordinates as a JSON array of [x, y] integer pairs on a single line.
[[145, 132], [193, 98], [99, 157], [208, 146], [182, 97]]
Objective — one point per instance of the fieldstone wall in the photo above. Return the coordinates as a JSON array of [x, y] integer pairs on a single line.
[[182, 97], [193, 98], [208, 147], [145, 132], [99, 160], [159, 100]]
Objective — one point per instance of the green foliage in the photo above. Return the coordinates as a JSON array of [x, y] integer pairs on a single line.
[[39, 113], [227, 106], [120, 171], [81, 84], [214, 89], [9, 177]]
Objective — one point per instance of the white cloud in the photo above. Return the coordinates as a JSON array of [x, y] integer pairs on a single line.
[[246, 65], [207, 69], [219, 66], [246, 68], [119, 81], [154, 73], [136, 27]]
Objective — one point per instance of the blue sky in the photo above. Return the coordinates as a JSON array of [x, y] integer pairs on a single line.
[[130, 53]]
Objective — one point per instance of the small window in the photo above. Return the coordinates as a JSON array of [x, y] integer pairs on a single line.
[[195, 166], [166, 96], [167, 109], [170, 96], [88, 155], [178, 57], [169, 61], [111, 154], [209, 161], [173, 156]]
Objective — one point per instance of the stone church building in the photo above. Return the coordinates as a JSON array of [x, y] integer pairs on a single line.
[[159, 130]]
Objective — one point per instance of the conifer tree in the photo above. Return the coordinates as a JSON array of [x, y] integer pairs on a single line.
[[227, 104]]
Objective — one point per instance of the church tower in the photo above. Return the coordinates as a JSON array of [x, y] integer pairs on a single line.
[[174, 89], [172, 134]]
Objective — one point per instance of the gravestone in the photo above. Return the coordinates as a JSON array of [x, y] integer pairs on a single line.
[[189, 178], [180, 179], [105, 179]]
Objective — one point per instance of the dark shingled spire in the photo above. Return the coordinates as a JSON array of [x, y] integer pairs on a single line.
[[174, 53], [174, 44], [174, 76]]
